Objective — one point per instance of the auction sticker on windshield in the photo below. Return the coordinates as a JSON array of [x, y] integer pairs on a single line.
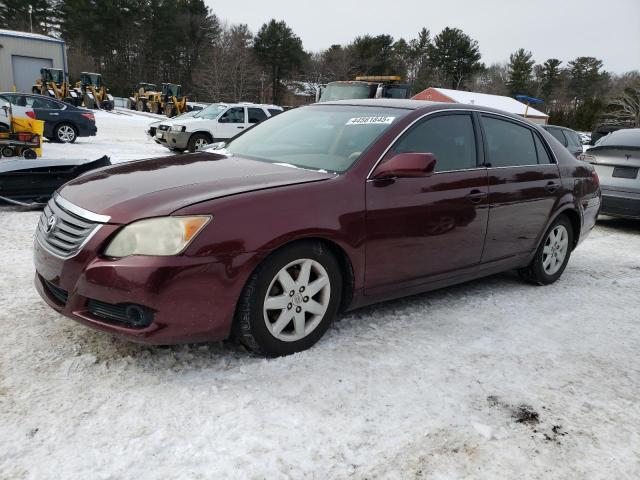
[[370, 120]]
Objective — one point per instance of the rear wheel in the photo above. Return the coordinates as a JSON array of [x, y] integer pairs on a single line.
[[65, 133], [198, 140], [552, 256], [289, 301]]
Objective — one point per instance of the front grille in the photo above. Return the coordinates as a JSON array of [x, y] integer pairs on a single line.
[[67, 232], [127, 314], [57, 293]]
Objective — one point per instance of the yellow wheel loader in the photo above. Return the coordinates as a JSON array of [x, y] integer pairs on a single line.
[[93, 93], [52, 83], [142, 92]]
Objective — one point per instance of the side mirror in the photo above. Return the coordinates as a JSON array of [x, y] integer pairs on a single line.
[[406, 165]]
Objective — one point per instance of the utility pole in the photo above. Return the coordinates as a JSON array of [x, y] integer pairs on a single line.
[[31, 18]]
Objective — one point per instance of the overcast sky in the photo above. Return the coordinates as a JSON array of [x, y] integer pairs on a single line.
[[564, 29]]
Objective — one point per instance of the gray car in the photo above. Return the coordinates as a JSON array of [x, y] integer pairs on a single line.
[[616, 159], [567, 137]]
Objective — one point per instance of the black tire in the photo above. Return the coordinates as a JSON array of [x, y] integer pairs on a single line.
[[65, 133], [250, 326], [29, 154], [192, 146], [535, 271]]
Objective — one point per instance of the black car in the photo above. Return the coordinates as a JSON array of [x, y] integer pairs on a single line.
[[567, 137], [62, 122]]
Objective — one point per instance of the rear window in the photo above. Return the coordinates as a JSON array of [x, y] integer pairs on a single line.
[[509, 144], [557, 133], [256, 115]]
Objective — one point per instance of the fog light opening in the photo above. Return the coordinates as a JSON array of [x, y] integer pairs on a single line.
[[138, 316]]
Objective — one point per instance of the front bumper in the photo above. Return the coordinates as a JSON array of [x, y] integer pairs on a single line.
[[176, 139], [192, 298], [620, 204]]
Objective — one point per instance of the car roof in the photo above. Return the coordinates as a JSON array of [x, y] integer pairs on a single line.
[[425, 105], [626, 137], [558, 126]]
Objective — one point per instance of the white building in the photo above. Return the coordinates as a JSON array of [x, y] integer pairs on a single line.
[[506, 104], [23, 54]]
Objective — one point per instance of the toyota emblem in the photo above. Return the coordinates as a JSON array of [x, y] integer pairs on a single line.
[[51, 222]]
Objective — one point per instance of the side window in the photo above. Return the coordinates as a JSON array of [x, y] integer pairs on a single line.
[[508, 144], [556, 132], [274, 111], [572, 138], [233, 115], [256, 115], [450, 138], [543, 155]]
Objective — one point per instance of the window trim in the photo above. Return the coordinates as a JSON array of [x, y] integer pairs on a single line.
[[473, 112], [554, 160], [479, 153]]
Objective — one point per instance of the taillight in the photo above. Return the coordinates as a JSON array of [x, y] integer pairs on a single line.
[[585, 157], [595, 179], [31, 115], [89, 116]]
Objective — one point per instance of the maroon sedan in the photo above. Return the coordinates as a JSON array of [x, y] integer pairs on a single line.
[[321, 209]]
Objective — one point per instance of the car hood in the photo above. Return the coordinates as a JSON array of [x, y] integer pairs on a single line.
[[160, 186]]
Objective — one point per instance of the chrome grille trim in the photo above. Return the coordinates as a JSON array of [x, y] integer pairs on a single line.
[[71, 231]]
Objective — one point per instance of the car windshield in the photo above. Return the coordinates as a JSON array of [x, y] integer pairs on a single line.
[[211, 112], [321, 137], [348, 91]]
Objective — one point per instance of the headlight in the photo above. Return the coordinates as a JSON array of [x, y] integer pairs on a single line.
[[178, 128], [156, 236]]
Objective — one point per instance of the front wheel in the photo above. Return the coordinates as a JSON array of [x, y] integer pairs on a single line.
[[552, 256], [289, 301], [197, 141]]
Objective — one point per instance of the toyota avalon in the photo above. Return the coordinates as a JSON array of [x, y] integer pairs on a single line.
[[322, 209]]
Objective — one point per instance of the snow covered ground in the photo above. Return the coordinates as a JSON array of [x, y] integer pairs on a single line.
[[121, 135], [492, 379]]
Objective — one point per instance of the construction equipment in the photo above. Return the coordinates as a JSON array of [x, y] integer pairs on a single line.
[[141, 94], [93, 93], [175, 103], [20, 136], [376, 86], [52, 83]]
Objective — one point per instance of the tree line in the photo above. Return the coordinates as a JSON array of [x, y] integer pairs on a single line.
[[183, 41]]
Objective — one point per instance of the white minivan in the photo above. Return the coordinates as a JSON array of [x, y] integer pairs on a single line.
[[217, 122]]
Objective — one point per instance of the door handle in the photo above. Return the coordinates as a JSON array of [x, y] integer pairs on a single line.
[[552, 187], [54, 114], [240, 127], [476, 196]]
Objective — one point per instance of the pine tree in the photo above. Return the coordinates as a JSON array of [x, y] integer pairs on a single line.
[[455, 57], [520, 70], [279, 51]]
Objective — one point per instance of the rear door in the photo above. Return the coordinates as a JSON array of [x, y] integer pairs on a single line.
[[421, 227], [524, 186]]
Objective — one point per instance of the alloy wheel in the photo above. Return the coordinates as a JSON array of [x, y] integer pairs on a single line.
[[555, 249], [200, 142], [297, 300], [66, 133]]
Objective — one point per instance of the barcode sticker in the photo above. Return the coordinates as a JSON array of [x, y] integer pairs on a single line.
[[370, 120]]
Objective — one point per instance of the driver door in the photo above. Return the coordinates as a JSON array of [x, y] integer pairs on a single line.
[[231, 123], [418, 228]]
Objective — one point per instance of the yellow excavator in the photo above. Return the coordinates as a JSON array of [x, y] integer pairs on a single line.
[[52, 83], [93, 93]]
